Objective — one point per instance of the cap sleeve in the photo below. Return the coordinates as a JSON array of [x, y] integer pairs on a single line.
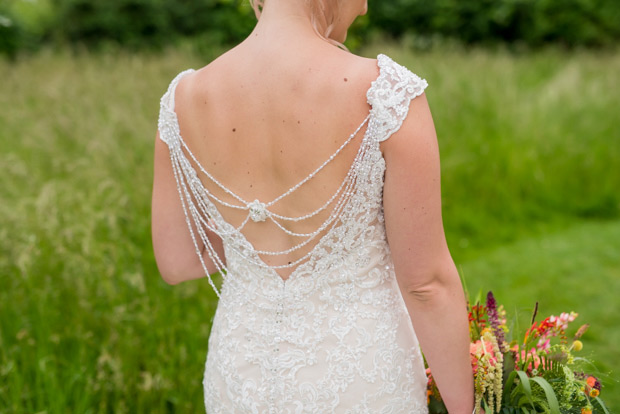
[[390, 94], [167, 124]]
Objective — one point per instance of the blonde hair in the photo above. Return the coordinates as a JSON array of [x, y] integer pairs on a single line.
[[323, 14]]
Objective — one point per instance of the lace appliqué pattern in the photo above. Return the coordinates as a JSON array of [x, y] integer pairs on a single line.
[[335, 337]]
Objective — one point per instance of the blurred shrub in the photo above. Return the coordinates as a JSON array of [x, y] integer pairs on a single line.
[[129, 22], [10, 33], [530, 22], [25, 24], [150, 23]]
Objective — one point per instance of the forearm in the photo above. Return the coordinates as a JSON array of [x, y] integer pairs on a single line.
[[439, 316]]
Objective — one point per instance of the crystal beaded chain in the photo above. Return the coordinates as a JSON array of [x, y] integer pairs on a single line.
[[202, 216], [198, 192], [190, 188], [247, 206]]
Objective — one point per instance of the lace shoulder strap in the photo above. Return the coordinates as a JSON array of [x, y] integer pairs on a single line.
[[390, 94], [168, 127]]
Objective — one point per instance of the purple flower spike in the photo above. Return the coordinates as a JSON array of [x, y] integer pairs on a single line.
[[494, 321]]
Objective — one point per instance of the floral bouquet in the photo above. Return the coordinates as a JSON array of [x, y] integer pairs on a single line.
[[538, 374]]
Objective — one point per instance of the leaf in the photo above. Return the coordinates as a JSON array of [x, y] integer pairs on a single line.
[[437, 407], [549, 393], [508, 366], [508, 384], [523, 392], [525, 383], [600, 402], [522, 402]]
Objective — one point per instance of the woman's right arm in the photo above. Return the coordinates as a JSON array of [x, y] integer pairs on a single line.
[[174, 249], [426, 274]]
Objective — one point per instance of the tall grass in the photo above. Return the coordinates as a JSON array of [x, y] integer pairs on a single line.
[[530, 145], [86, 323], [529, 142]]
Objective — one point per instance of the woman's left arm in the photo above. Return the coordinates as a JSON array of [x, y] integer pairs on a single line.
[[426, 274]]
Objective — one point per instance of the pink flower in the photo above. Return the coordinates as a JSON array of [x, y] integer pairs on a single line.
[[561, 322], [543, 344], [478, 351]]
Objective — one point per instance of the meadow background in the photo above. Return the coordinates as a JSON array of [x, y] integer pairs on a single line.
[[530, 143]]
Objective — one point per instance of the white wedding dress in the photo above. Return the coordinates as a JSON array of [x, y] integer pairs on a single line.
[[335, 337]]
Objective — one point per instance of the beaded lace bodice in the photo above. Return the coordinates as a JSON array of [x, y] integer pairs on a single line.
[[335, 336]]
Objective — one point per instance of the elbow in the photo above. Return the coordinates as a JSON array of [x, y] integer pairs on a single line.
[[170, 278], [170, 275], [433, 296], [171, 269], [425, 292], [434, 286], [176, 269], [178, 265]]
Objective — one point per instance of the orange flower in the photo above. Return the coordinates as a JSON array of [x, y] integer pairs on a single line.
[[594, 393], [586, 410], [591, 381]]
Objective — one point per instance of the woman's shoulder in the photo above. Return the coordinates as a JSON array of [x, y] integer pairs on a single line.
[[362, 71], [187, 78]]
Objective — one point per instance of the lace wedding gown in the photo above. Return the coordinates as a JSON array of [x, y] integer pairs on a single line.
[[335, 337]]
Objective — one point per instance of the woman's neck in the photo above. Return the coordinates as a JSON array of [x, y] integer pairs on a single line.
[[288, 20]]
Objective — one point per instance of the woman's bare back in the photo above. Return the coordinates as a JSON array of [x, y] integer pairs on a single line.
[[260, 123]]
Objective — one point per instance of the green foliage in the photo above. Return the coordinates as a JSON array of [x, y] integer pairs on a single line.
[[151, 23], [128, 22], [11, 33], [531, 22], [537, 394], [601, 405], [436, 407], [26, 24]]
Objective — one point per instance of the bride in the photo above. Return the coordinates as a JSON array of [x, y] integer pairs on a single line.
[[308, 177]]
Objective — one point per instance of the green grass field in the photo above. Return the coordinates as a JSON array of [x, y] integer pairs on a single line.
[[531, 183]]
